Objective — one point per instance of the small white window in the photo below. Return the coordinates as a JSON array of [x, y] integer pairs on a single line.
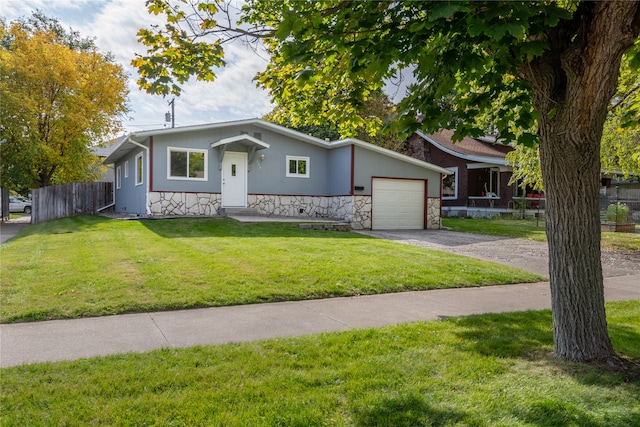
[[139, 169], [126, 169], [297, 167], [119, 177], [450, 185], [184, 163]]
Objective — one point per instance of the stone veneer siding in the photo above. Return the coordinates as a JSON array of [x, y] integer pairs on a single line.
[[433, 213], [353, 209], [166, 203]]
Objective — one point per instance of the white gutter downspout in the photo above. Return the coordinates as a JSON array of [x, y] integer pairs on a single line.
[[146, 197]]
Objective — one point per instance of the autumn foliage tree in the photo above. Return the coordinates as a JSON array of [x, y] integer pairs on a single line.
[[555, 65], [60, 96]]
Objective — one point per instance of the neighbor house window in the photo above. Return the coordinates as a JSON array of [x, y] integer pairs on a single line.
[[119, 177], [126, 169], [298, 167], [450, 185], [186, 163], [139, 169], [494, 185]]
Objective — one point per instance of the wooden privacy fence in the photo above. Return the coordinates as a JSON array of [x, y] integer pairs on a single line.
[[76, 198]]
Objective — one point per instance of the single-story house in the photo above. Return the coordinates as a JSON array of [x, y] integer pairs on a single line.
[[479, 181], [204, 169]]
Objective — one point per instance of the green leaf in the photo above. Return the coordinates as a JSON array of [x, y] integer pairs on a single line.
[[445, 10], [528, 139]]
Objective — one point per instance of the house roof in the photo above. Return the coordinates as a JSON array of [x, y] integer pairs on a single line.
[[130, 142], [484, 149], [106, 150]]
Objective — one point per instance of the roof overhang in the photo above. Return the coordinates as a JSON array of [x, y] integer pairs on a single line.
[[502, 167], [245, 140], [124, 146], [250, 143], [471, 157]]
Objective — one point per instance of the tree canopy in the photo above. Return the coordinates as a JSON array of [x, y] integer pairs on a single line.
[[379, 113], [554, 66], [60, 96]]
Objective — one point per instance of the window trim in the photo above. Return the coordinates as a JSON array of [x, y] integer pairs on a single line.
[[297, 175], [126, 169], [456, 175], [187, 150], [118, 177], [139, 171]]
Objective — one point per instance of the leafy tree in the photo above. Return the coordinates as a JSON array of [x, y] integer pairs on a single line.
[[59, 97], [553, 63], [378, 109], [620, 146]]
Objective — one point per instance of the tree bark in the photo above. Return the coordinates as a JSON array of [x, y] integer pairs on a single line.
[[573, 83]]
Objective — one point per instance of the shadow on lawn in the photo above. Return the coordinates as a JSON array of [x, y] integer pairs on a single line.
[[530, 335], [551, 412], [411, 410]]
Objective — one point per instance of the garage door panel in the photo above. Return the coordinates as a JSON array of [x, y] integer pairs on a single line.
[[397, 204]]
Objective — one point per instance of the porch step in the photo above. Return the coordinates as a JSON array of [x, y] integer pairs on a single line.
[[330, 226], [238, 212]]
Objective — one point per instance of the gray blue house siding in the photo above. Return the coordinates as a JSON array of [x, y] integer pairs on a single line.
[[368, 164], [270, 177], [130, 194], [339, 175]]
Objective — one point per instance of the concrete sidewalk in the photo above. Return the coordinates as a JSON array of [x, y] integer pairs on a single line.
[[57, 340]]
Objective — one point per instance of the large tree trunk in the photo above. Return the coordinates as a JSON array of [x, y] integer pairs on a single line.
[[573, 84]]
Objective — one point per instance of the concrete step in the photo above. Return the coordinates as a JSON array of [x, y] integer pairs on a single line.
[[238, 212], [330, 226]]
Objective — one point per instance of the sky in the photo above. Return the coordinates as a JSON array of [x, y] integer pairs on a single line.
[[114, 24]]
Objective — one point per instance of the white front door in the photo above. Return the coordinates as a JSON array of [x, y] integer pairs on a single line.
[[234, 180]]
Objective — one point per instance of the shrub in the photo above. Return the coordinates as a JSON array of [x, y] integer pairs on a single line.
[[617, 212]]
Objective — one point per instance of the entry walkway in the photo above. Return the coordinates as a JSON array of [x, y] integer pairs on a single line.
[[57, 340]]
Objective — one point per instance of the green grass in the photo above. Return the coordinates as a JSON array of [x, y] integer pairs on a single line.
[[91, 266], [531, 229], [489, 370]]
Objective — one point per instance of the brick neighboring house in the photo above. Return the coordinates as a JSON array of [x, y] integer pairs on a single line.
[[479, 185]]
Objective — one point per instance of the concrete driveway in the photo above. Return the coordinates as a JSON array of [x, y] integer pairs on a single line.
[[525, 254], [12, 227]]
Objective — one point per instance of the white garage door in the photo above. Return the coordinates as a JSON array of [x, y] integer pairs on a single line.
[[397, 204]]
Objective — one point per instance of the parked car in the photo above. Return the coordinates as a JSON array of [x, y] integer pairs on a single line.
[[19, 204]]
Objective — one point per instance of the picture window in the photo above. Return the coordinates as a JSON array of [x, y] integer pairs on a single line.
[[187, 164]]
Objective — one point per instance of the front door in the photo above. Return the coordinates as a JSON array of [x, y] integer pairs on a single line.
[[234, 180]]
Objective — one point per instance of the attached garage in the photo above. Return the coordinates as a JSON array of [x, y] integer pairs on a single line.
[[398, 203]]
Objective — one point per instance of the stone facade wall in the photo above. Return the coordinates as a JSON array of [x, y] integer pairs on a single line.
[[361, 219], [353, 209], [433, 213], [165, 203]]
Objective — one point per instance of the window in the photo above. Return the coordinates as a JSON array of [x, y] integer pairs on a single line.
[[126, 169], [494, 181], [139, 169], [450, 185], [119, 177], [297, 167], [186, 163]]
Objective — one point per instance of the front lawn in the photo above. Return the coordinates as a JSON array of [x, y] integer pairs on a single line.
[[532, 229], [484, 371], [92, 266]]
